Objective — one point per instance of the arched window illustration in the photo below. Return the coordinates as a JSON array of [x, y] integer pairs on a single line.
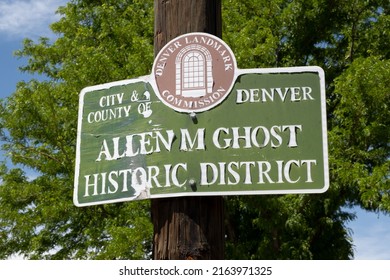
[[194, 72]]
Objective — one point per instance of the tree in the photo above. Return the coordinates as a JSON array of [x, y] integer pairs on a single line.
[[104, 41], [360, 135], [100, 41], [343, 38]]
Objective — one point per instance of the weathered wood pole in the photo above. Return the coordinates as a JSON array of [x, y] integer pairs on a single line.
[[188, 227]]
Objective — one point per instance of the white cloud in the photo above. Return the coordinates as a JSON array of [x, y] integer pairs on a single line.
[[371, 236], [372, 248], [28, 18]]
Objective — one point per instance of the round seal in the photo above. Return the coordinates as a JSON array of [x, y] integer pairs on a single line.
[[194, 72]]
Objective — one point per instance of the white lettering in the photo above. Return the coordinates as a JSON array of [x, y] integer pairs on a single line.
[[260, 136], [294, 94], [277, 172], [186, 139], [136, 144]]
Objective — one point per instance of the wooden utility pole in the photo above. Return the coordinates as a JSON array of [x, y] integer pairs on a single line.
[[176, 17], [187, 227]]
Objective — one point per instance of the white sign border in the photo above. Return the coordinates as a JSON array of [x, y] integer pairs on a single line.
[[84, 91], [149, 79]]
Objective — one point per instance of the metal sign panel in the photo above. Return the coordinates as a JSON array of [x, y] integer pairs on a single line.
[[268, 136]]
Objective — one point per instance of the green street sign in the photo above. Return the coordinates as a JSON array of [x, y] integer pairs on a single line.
[[268, 136], [199, 126]]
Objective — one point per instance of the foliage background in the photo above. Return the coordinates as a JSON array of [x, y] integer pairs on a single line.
[[104, 41]]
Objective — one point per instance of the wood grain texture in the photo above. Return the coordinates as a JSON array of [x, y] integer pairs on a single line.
[[188, 228], [176, 17]]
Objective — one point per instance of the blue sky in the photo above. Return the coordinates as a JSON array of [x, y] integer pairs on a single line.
[[31, 18]]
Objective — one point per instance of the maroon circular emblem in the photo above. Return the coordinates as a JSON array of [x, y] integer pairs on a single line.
[[194, 72]]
